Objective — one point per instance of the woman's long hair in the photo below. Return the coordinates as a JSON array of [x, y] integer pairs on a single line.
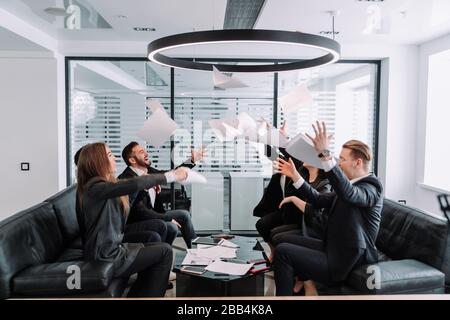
[[94, 162]]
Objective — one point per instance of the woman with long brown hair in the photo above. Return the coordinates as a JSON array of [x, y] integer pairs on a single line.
[[102, 208]]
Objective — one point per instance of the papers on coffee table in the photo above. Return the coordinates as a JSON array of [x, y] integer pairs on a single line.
[[235, 269], [227, 243], [205, 255]]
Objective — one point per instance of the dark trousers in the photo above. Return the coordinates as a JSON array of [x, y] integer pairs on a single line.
[[276, 219], [291, 260], [296, 236], [152, 264], [154, 225], [183, 217], [141, 237]]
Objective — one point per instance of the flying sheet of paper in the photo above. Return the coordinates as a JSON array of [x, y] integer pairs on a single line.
[[236, 269], [245, 122], [301, 148], [226, 82], [194, 177], [158, 128], [153, 105], [298, 97], [225, 129]]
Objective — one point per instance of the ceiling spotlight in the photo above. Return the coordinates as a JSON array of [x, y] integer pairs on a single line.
[[143, 29], [55, 11]]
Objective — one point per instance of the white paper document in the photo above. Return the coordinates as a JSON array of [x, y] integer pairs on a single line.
[[301, 148], [225, 129], [271, 137], [298, 97], [213, 253], [158, 128], [194, 177], [226, 82], [227, 243], [245, 122], [236, 269], [153, 105], [193, 259]]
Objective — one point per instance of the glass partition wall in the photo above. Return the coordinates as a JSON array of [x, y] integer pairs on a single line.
[[106, 102]]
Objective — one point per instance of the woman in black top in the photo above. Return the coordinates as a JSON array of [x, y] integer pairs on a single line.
[[276, 221], [102, 209]]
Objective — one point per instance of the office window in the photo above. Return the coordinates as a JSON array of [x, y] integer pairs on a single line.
[[436, 170], [343, 96], [107, 103]]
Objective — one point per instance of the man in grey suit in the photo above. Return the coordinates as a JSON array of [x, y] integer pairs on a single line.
[[353, 209]]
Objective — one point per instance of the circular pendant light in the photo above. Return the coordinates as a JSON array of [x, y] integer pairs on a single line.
[[331, 47]]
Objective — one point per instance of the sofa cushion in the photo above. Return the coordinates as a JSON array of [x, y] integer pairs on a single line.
[[401, 276], [28, 238], [70, 254], [51, 279], [64, 206], [409, 233]]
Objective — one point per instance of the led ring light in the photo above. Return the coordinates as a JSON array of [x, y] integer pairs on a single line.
[[155, 48]]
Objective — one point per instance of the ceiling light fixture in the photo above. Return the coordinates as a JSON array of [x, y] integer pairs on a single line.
[[143, 29], [55, 11], [331, 47]]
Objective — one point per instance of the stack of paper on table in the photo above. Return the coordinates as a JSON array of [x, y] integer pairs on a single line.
[[223, 81], [301, 148], [193, 259], [236, 269], [227, 243], [158, 128], [206, 255], [298, 97]]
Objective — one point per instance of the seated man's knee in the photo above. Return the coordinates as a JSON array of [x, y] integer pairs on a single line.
[[282, 250]]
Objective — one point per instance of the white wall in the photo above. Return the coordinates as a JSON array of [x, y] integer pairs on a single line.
[[426, 198], [28, 130], [398, 117]]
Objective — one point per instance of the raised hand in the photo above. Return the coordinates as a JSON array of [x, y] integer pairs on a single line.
[[180, 174], [198, 155], [321, 140], [286, 168]]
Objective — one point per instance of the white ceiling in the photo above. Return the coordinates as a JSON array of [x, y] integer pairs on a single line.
[[9, 41], [402, 21]]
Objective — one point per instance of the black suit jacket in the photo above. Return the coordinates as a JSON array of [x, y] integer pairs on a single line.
[[354, 214], [140, 203], [101, 219]]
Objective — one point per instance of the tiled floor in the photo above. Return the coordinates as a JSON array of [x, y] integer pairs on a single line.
[[179, 245]]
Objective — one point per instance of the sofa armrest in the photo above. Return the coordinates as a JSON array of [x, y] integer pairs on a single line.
[[395, 277], [55, 278]]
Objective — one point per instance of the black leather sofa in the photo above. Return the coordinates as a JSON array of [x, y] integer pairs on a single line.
[[38, 245], [414, 249]]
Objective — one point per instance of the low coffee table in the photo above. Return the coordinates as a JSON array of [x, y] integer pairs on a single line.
[[211, 284]]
